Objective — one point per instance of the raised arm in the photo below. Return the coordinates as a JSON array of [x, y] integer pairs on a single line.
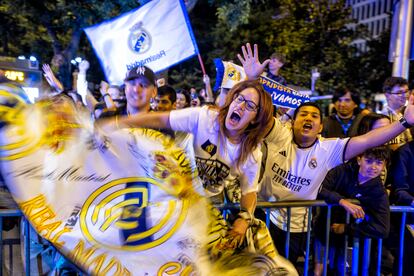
[[379, 136], [209, 91], [146, 120], [51, 79]]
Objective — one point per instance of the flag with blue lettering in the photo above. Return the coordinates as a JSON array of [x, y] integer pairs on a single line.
[[229, 74], [157, 35]]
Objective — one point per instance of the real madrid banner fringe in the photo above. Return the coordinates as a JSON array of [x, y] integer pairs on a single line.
[[157, 35]]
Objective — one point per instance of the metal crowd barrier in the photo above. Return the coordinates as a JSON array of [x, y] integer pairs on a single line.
[[310, 204]]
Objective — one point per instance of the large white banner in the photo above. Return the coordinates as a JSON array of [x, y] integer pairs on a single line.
[[157, 35]]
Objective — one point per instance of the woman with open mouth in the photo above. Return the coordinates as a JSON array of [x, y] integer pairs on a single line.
[[226, 144]]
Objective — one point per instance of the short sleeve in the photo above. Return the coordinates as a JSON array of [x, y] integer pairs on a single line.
[[279, 132], [186, 119]]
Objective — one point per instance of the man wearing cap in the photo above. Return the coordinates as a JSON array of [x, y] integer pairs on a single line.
[[277, 60], [140, 87]]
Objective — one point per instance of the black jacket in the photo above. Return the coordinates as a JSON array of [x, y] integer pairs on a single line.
[[342, 183]]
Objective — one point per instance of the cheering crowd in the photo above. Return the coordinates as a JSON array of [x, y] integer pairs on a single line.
[[248, 150]]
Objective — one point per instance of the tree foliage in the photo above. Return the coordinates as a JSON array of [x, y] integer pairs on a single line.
[[312, 34]]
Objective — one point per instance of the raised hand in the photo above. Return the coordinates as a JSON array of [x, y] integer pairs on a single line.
[[409, 111], [51, 79], [250, 61], [83, 66], [206, 79]]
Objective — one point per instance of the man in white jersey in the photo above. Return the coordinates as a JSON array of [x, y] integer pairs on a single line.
[[299, 159]]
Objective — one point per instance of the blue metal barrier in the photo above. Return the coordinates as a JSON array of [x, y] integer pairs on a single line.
[[267, 206]]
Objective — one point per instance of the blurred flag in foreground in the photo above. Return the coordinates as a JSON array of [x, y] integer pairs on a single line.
[[157, 35]]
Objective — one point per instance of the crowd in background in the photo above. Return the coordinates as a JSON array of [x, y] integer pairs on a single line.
[[377, 174]]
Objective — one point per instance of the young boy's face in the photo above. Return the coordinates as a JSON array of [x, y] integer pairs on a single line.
[[370, 167]]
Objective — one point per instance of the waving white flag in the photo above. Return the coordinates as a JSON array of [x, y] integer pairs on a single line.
[[157, 35]]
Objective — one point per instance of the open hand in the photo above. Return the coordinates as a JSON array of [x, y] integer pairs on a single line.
[[250, 61], [51, 79]]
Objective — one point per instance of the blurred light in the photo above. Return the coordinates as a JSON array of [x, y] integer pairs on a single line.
[[73, 62], [78, 59], [32, 58], [21, 57]]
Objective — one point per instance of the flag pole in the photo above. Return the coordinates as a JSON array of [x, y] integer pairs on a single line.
[[201, 64]]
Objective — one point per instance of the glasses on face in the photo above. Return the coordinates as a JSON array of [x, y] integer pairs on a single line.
[[250, 105], [400, 92]]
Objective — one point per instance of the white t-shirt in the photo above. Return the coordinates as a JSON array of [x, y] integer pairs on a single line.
[[294, 173], [216, 163]]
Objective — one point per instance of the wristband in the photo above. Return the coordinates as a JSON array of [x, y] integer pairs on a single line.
[[106, 94], [404, 123]]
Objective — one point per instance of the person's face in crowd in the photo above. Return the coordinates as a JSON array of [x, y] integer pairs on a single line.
[[369, 167], [163, 103], [193, 90], [307, 125], [275, 64], [242, 111], [345, 106], [195, 102], [139, 92], [398, 96], [380, 123], [181, 102]]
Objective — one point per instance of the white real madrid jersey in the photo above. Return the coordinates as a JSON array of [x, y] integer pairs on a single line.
[[294, 173]]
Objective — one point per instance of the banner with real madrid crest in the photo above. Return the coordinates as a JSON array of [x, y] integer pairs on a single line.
[[157, 35], [119, 203]]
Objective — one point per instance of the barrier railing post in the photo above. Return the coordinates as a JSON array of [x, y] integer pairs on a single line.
[[327, 231], [267, 217], [379, 257], [355, 255], [345, 262], [287, 233], [27, 245], [366, 256], [1, 245], [401, 251], [308, 241]]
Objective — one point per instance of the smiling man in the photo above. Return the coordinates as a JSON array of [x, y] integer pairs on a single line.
[[297, 160], [343, 122]]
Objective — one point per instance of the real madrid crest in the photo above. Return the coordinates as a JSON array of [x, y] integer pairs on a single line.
[[312, 163], [139, 40]]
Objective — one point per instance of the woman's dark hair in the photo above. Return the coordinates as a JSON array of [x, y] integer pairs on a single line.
[[368, 121], [186, 95]]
